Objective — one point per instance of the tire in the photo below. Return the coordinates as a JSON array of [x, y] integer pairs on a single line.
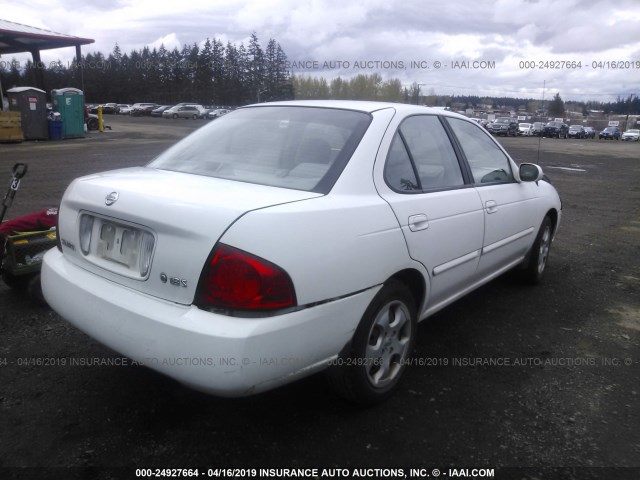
[[174, 116], [16, 282], [536, 263], [92, 124], [195, 117], [370, 368], [34, 289]]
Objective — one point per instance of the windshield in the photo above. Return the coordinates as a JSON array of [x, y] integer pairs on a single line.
[[502, 120], [575, 127], [302, 148], [553, 124]]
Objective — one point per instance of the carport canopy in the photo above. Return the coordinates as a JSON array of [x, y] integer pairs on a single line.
[[18, 38]]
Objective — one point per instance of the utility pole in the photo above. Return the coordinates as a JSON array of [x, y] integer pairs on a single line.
[[626, 122]]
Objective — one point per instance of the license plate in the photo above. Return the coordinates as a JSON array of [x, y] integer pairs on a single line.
[[121, 248], [118, 243]]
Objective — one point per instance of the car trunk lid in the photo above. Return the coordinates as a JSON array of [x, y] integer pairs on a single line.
[[175, 217]]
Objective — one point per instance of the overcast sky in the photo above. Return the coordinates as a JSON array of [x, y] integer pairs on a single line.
[[397, 38]]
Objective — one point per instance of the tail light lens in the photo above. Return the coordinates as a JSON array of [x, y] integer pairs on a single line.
[[86, 230], [234, 279], [146, 252]]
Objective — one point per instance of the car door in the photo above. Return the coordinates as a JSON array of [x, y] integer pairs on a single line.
[[509, 206], [439, 212]]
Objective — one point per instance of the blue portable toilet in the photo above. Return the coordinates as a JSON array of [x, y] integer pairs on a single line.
[[69, 103]]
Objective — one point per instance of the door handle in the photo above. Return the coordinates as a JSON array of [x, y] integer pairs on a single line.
[[418, 222], [491, 206]]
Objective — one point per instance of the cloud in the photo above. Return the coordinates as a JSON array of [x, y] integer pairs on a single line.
[[501, 31]]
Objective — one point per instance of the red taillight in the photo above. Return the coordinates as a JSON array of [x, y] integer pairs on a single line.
[[237, 280]]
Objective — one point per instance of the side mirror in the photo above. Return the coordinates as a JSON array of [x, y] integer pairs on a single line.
[[530, 172]]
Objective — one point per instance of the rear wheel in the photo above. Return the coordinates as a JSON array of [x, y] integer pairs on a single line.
[[34, 289], [370, 370], [17, 282], [537, 262]]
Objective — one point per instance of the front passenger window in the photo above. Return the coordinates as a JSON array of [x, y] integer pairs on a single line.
[[488, 163], [422, 158]]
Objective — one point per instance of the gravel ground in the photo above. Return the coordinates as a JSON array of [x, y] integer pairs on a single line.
[[533, 382]]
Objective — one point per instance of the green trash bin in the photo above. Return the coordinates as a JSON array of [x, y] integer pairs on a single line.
[[69, 103]]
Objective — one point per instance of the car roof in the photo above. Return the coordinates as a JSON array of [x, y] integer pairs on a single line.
[[361, 106]]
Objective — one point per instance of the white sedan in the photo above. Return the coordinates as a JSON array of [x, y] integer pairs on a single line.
[[525, 129], [293, 237], [632, 135]]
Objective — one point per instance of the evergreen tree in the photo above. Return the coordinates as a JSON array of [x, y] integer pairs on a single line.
[[556, 107], [217, 70], [204, 74], [255, 82]]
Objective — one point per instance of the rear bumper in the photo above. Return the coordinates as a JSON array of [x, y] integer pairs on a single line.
[[222, 355]]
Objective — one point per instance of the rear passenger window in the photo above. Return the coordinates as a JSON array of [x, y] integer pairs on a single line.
[[421, 157], [398, 171], [488, 163]]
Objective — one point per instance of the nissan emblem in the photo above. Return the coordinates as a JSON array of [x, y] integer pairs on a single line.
[[111, 198]]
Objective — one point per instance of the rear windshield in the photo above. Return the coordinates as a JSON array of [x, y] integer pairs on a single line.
[[302, 148]]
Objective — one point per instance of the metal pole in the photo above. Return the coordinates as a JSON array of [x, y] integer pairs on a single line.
[[1, 96]]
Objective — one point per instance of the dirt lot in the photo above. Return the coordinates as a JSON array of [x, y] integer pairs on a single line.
[[539, 382]]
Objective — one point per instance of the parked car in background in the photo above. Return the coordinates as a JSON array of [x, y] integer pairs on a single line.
[[480, 121], [288, 238], [632, 135], [555, 129], [589, 132], [185, 111], [537, 128], [609, 133], [157, 112], [525, 129], [576, 131], [504, 126], [91, 120], [107, 108], [218, 112], [123, 109], [143, 109], [110, 108]]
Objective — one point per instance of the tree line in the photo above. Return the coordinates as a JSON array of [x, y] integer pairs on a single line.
[[218, 74], [211, 74], [373, 87]]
